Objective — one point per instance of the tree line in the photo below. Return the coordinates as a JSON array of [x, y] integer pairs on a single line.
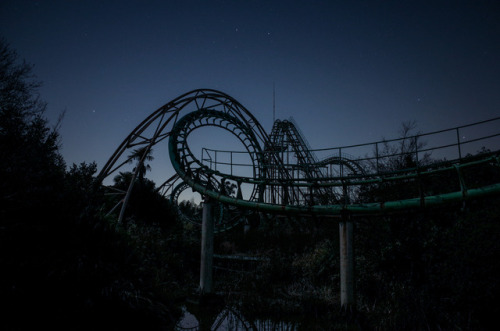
[[67, 265]]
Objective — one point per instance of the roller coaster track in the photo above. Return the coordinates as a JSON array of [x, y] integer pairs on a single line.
[[306, 185], [286, 138]]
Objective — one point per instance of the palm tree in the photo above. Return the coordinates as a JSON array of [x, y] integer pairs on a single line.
[[137, 155], [122, 180]]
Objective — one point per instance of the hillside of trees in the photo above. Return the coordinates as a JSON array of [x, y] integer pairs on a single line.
[[66, 265]]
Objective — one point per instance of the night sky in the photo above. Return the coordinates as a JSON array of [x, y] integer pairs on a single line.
[[348, 72]]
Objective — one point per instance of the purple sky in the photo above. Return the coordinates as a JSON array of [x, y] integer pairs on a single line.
[[349, 72]]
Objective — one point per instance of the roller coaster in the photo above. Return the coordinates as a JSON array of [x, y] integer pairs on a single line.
[[282, 175]]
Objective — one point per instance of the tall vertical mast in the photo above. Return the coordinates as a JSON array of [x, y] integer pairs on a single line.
[[274, 103]]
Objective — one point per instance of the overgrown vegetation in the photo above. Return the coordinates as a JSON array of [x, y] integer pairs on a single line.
[[432, 268], [67, 266]]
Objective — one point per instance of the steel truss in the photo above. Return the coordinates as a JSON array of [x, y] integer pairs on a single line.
[[286, 175]]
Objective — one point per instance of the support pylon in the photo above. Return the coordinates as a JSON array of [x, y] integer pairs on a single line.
[[207, 248], [347, 299]]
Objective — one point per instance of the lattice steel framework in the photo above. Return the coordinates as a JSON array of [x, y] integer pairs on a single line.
[[286, 175]]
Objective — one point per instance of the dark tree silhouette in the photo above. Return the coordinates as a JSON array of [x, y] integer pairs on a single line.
[[61, 262], [401, 154], [122, 180], [138, 155], [31, 167]]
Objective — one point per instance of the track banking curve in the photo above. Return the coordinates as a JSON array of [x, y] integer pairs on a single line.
[[275, 184]]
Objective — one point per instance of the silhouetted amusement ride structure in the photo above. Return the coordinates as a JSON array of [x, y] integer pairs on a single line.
[[279, 174]]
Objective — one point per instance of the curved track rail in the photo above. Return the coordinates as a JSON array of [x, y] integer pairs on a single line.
[[304, 186]]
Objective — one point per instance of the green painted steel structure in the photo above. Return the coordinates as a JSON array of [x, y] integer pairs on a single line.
[[286, 177]]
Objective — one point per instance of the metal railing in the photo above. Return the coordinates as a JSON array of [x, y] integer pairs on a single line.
[[387, 149]]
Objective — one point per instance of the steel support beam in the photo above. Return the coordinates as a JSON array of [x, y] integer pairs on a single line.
[[207, 248], [347, 299]]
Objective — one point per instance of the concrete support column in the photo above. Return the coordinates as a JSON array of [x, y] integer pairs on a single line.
[[207, 248], [347, 299]]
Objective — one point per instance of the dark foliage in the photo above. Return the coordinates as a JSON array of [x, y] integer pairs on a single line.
[[426, 268], [30, 164], [63, 266], [146, 205], [431, 268]]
